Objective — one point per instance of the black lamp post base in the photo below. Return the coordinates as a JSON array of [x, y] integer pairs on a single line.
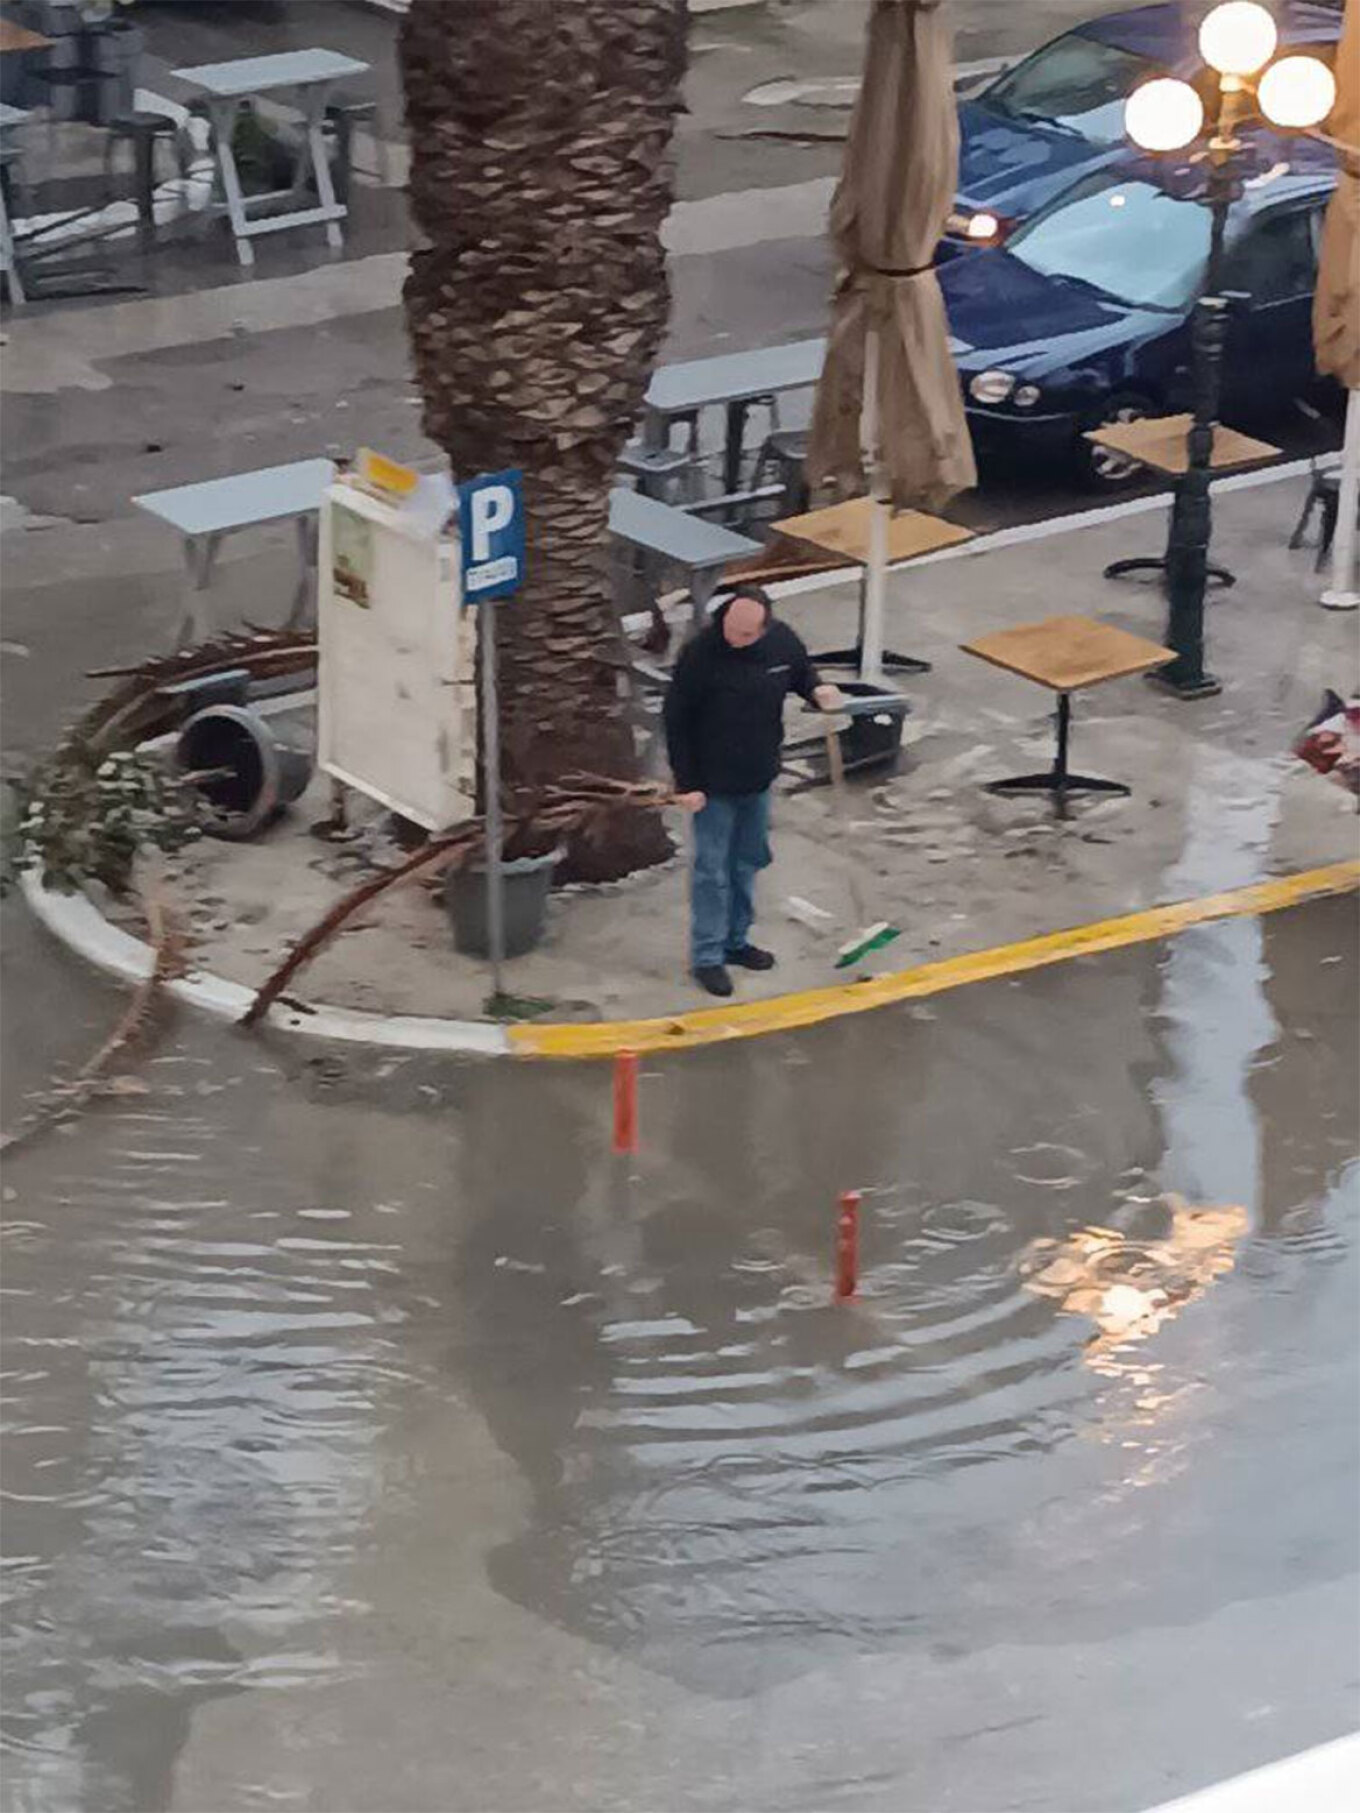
[[1156, 563], [1202, 686]]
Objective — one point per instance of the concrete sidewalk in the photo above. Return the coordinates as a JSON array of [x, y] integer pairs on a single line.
[[1218, 801]]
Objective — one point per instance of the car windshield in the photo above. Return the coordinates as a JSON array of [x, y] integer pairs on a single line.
[[1130, 239], [1076, 82]]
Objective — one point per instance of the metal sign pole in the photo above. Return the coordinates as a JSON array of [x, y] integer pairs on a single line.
[[491, 758], [491, 531]]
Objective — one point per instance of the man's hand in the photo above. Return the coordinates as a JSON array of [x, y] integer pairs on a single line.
[[827, 697], [691, 802]]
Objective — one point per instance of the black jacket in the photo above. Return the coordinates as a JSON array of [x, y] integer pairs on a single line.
[[725, 708]]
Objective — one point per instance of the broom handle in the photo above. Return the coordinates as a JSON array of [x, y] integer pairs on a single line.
[[835, 762]]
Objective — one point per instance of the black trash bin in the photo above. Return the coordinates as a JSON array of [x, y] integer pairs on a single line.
[[873, 737]]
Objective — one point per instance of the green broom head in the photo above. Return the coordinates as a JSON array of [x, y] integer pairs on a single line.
[[872, 939]]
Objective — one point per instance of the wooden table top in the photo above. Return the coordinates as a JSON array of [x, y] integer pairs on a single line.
[[1066, 653], [844, 529], [18, 37], [1159, 442]]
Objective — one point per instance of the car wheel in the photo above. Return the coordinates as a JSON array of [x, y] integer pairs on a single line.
[[1102, 469]]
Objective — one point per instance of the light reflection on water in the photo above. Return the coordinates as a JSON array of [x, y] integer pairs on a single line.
[[226, 1312]]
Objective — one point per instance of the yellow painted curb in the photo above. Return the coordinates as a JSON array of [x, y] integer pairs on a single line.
[[782, 1013]]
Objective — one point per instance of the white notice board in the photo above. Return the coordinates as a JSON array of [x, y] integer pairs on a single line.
[[394, 717]]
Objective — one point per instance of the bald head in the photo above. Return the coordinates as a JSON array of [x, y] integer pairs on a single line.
[[744, 622]]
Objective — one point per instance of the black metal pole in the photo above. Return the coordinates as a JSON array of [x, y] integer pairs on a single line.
[[1064, 732], [1187, 553]]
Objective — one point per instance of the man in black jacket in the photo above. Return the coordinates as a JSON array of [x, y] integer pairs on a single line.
[[724, 732]]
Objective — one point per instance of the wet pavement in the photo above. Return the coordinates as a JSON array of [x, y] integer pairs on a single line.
[[378, 1441]]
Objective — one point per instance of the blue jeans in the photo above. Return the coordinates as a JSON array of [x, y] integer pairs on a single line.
[[731, 847]]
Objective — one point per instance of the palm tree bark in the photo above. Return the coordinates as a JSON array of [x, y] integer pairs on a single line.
[[536, 304]]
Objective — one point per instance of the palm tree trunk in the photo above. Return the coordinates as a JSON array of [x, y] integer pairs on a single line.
[[540, 179]]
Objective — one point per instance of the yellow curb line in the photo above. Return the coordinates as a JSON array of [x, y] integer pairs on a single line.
[[750, 1019]]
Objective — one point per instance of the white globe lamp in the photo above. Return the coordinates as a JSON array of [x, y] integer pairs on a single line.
[[1297, 92], [1163, 115], [1237, 38]]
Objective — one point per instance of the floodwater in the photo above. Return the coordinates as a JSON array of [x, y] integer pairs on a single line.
[[377, 1441]]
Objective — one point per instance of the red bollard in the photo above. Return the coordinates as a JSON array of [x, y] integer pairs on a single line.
[[626, 1102], [847, 1245]]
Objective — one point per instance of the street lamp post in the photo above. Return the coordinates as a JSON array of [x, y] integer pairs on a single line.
[[1237, 41]]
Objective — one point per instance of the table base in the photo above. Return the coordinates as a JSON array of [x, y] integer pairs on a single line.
[[890, 661], [1059, 785], [1058, 780]]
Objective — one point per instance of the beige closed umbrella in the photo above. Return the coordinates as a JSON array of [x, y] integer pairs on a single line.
[[1336, 305], [889, 415]]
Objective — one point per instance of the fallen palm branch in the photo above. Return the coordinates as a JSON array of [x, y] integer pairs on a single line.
[[141, 707], [578, 804], [91, 1081]]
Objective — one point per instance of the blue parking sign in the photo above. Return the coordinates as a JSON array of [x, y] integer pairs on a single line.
[[491, 529]]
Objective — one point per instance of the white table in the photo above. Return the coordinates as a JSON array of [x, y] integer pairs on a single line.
[[733, 380], [300, 78], [204, 513], [702, 548]]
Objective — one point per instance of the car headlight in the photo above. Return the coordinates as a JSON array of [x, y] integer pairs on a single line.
[[1025, 396], [981, 227], [991, 386]]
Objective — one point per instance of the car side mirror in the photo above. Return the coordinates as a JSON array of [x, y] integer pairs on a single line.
[[1239, 303]]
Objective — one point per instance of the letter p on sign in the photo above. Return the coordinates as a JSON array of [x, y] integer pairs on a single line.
[[491, 526], [493, 508]]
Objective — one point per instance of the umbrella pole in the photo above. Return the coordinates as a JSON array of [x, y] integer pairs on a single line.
[[876, 571], [872, 658], [1342, 594]]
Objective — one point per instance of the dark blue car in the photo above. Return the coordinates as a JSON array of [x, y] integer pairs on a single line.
[[1084, 316], [1059, 115]]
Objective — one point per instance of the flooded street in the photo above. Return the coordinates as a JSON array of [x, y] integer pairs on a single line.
[[377, 1441]]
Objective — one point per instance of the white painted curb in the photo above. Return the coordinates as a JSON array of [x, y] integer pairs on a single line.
[[78, 923], [1322, 1780]]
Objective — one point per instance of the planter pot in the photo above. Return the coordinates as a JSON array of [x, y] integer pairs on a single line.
[[527, 883], [260, 776]]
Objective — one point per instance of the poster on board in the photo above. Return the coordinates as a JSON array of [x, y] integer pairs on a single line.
[[351, 556]]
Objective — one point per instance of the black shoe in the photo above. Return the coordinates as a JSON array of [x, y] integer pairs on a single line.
[[714, 978], [750, 956]]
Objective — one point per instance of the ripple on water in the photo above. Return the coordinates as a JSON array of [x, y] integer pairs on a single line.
[[752, 1467], [215, 1467]]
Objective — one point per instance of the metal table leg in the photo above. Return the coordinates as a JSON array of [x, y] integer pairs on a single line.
[[656, 430], [200, 555], [733, 446], [9, 263], [1059, 781], [314, 101], [701, 588], [308, 530], [223, 116]]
